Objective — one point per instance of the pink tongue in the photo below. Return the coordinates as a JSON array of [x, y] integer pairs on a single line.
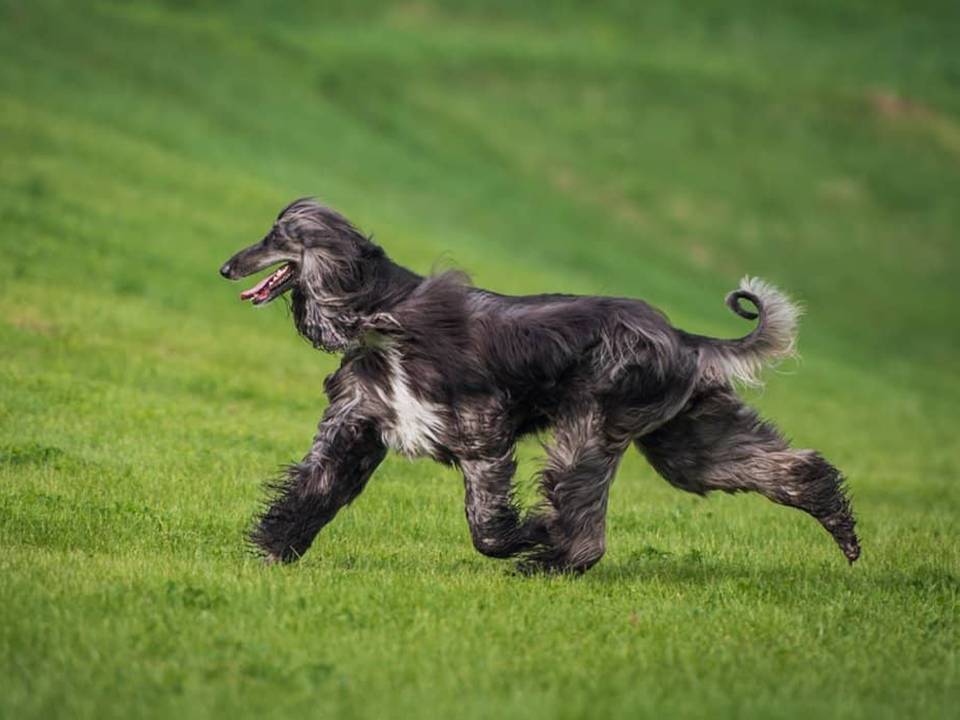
[[247, 294]]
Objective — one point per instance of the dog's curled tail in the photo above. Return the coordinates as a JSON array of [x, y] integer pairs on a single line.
[[773, 339]]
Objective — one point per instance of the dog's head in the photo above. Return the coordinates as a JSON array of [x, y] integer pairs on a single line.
[[318, 250]]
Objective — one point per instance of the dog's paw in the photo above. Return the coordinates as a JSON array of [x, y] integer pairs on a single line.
[[548, 561]]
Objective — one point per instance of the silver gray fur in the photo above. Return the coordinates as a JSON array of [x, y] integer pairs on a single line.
[[435, 367]]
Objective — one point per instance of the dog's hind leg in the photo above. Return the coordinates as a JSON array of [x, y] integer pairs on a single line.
[[346, 451], [575, 482], [492, 513], [720, 443]]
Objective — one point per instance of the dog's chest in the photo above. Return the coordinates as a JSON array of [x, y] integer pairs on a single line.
[[414, 426]]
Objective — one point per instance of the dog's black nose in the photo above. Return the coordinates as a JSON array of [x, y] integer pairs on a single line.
[[225, 270]]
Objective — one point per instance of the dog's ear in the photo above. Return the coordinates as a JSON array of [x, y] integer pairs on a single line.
[[324, 333]]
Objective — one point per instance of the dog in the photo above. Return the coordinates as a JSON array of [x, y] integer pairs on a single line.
[[433, 367]]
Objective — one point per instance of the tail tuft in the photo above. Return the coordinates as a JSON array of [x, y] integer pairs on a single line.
[[772, 340]]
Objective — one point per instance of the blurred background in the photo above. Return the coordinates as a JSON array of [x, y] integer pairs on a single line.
[[657, 150]]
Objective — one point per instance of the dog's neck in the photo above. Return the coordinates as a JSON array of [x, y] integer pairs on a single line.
[[334, 322]]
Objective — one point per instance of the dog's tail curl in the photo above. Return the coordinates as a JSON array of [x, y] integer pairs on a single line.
[[772, 340]]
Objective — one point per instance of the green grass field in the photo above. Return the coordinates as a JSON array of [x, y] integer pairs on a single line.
[[643, 149]]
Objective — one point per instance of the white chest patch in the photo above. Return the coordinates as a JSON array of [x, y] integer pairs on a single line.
[[417, 424]]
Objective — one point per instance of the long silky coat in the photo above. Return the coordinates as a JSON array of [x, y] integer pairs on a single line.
[[435, 367]]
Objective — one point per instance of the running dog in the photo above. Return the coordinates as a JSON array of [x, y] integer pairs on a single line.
[[433, 367]]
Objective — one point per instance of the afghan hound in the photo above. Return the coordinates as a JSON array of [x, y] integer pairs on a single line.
[[434, 367]]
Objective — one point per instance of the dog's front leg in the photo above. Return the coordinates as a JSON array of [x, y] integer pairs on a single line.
[[346, 451], [492, 514]]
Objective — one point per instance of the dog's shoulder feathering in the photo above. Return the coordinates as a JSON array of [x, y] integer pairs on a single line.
[[430, 328]]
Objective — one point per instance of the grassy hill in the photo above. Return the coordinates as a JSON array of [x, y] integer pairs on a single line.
[[642, 149]]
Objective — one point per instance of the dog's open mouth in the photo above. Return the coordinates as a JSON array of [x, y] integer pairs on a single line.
[[272, 286]]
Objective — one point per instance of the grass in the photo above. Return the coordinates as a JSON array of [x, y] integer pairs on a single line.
[[653, 150]]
